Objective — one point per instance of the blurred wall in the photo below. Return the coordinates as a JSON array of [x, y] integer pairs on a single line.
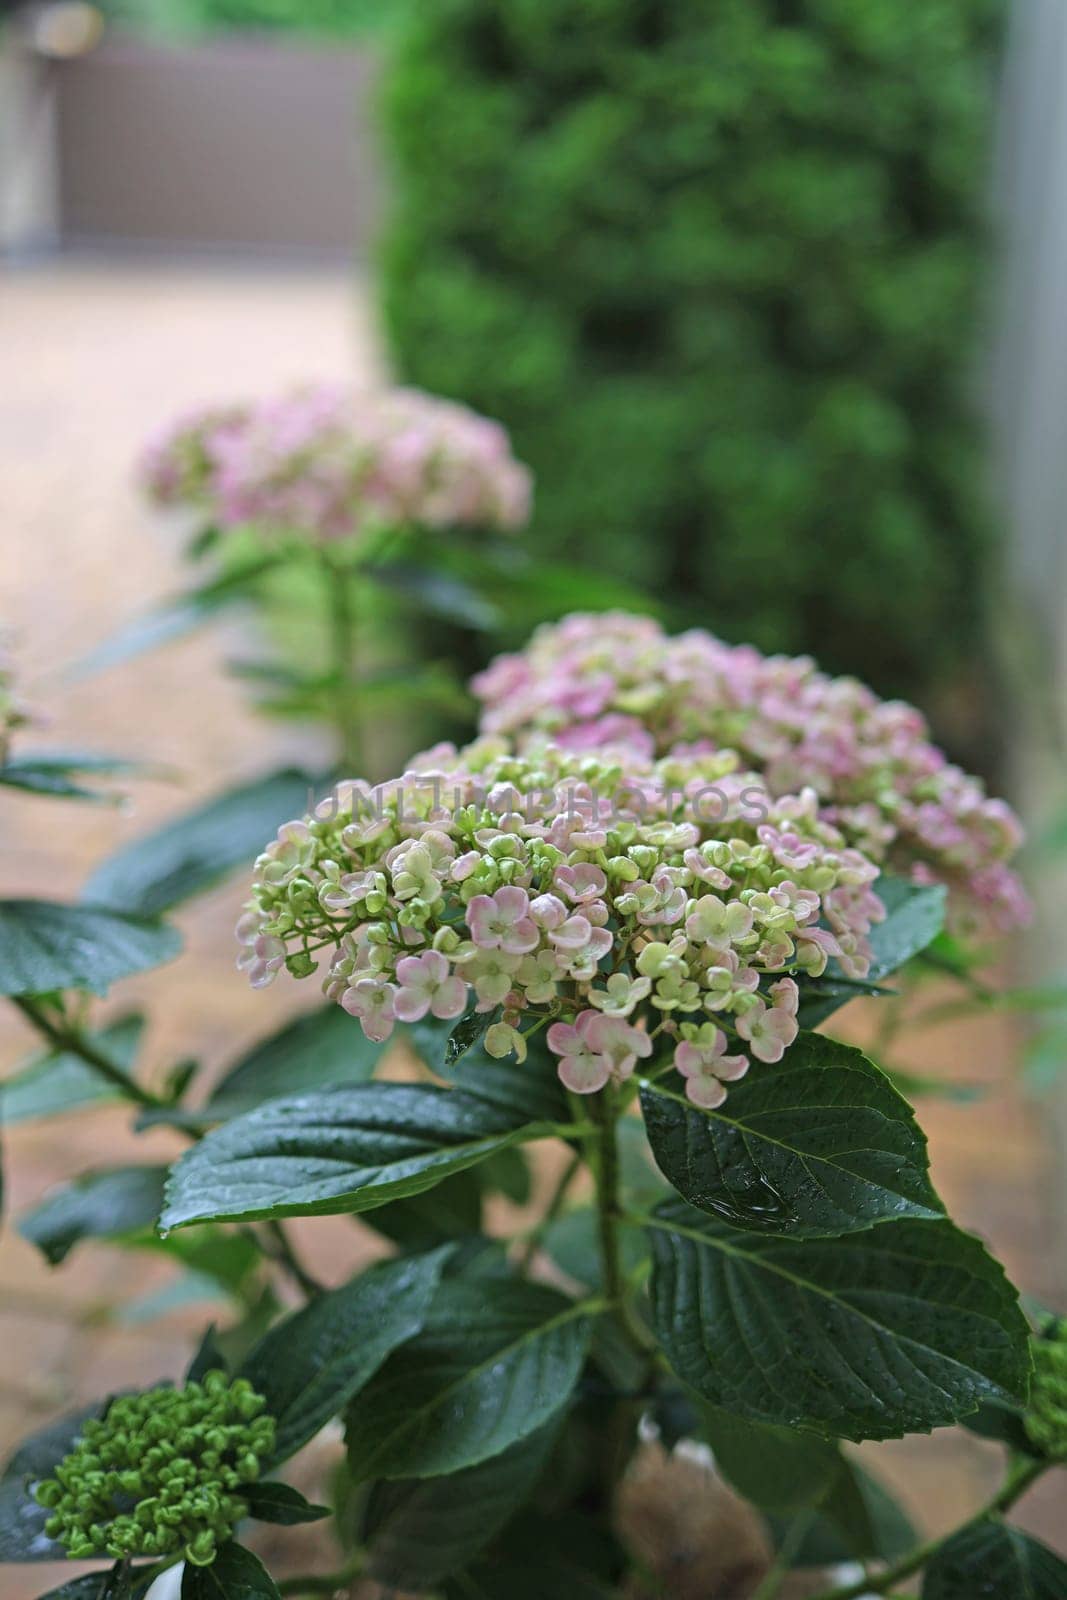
[[241, 144]]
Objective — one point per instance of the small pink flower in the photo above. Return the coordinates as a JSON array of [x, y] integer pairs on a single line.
[[581, 1068], [426, 983], [616, 1041], [768, 1032], [785, 996], [574, 934], [372, 1000], [502, 921], [584, 882], [705, 1067]]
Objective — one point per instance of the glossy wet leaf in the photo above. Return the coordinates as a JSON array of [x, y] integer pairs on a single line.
[[345, 1149], [280, 1503], [819, 1144], [45, 946], [419, 1530], [990, 1561], [906, 1327], [488, 1369], [311, 1363]]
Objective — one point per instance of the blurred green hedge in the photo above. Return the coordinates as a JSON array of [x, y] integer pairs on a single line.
[[717, 263]]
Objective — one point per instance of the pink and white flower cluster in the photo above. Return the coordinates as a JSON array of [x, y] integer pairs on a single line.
[[611, 904], [616, 683], [328, 463]]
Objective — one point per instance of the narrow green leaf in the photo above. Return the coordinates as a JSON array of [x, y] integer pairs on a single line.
[[486, 1371], [55, 1081], [59, 774], [820, 1144], [310, 1364], [98, 1205], [420, 1530], [901, 1329], [312, 1052], [989, 1558], [280, 1503], [190, 854], [45, 946], [235, 1574], [345, 1149], [208, 1358], [174, 617]]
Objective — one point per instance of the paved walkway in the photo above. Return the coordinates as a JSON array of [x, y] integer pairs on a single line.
[[94, 357]]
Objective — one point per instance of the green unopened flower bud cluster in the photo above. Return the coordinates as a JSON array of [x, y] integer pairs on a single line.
[[1046, 1415], [159, 1473]]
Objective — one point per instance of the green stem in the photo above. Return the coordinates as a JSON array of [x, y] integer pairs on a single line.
[[605, 1110], [342, 621], [64, 1035], [1018, 1480]]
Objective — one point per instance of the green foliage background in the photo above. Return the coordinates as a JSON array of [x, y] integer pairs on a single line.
[[718, 266]]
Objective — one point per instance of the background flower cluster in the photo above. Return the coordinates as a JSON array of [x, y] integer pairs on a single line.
[[329, 463]]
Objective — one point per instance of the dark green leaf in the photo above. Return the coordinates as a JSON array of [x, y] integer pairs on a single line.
[[1004, 1423], [420, 1530], [568, 1555], [312, 1052], [486, 1371], [857, 1520], [508, 1174], [235, 1574], [190, 854], [989, 1561], [120, 1583], [778, 1469], [98, 1205], [820, 1144], [55, 1081], [529, 1089], [281, 1503], [914, 917], [338, 1150], [310, 1365], [451, 1210], [904, 1328], [468, 1031], [45, 946]]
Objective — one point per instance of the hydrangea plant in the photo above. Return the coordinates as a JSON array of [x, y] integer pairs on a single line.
[[584, 976]]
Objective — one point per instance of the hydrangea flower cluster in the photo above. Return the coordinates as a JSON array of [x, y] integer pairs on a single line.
[[1046, 1415], [13, 712], [674, 900], [159, 1472], [327, 463], [618, 683]]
